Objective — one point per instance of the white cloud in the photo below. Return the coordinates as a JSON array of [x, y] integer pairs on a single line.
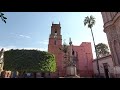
[[76, 43], [24, 36], [8, 47], [43, 49], [28, 48], [45, 42]]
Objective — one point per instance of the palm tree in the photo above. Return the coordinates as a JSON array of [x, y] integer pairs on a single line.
[[3, 17], [102, 50], [91, 21]]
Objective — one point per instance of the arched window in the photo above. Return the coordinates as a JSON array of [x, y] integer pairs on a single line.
[[55, 36], [55, 32]]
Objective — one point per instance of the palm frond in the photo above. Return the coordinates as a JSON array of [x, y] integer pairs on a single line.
[[2, 14], [86, 20], [4, 21], [92, 18], [90, 21], [3, 17]]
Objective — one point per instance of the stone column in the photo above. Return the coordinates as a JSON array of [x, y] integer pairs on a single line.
[[71, 68]]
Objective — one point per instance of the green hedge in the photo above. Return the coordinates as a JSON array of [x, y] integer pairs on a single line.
[[29, 60]]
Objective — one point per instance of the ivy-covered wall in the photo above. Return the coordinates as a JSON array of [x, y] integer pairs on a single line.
[[29, 60]]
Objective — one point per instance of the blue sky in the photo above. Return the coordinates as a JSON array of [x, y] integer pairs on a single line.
[[30, 30]]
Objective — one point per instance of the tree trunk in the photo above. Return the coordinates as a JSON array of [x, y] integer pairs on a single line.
[[96, 53]]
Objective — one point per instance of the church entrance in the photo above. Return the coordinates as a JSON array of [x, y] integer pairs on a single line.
[[106, 71]]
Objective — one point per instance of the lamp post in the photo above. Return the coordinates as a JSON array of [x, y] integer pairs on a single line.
[[70, 64], [71, 68]]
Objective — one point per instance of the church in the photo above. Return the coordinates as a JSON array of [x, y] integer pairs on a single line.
[[82, 55]]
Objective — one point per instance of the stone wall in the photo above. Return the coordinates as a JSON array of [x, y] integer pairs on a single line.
[[101, 61]]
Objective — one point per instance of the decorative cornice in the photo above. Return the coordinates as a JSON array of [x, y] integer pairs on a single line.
[[102, 58], [111, 22]]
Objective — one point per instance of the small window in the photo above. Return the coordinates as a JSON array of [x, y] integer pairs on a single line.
[[55, 32]]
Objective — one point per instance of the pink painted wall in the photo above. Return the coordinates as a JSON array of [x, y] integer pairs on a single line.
[[84, 63], [85, 58]]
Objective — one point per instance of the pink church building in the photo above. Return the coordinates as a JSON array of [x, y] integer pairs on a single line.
[[83, 54]]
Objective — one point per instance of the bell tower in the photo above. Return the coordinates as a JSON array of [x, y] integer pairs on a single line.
[[55, 42]]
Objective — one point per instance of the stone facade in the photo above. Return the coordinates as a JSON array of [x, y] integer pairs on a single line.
[[112, 29], [83, 54], [102, 61]]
